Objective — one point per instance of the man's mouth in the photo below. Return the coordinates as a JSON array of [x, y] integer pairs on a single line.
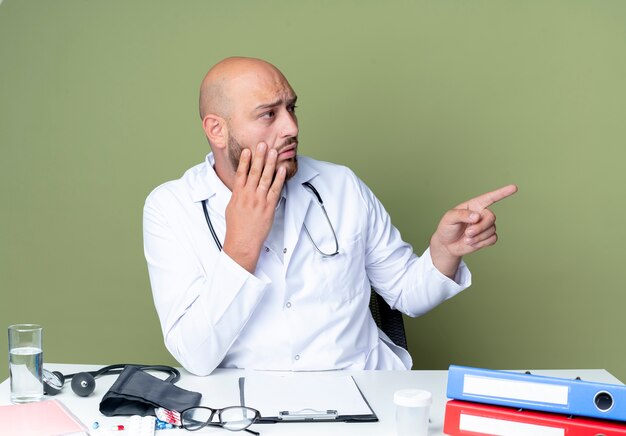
[[288, 151]]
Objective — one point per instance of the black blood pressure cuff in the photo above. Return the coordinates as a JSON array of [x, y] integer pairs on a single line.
[[135, 392]]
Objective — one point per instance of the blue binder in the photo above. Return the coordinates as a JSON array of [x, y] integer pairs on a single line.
[[535, 392]]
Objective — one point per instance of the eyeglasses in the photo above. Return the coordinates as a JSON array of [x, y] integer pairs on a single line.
[[233, 418]]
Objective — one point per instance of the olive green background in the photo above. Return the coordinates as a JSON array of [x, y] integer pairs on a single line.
[[430, 102]]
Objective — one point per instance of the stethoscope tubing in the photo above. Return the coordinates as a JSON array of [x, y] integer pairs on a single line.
[[320, 202], [118, 368]]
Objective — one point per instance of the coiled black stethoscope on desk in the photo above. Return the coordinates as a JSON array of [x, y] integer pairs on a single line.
[[319, 201], [84, 383]]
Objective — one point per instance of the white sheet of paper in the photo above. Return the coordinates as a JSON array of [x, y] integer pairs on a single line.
[[271, 393]]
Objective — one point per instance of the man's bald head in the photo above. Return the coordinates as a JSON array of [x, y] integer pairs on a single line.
[[216, 90], [245, 102]]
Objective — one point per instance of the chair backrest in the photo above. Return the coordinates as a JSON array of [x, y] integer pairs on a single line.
[[388, 320]]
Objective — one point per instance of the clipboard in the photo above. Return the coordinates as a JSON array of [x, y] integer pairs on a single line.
[[305, 397], [535, 392], [465, 418]]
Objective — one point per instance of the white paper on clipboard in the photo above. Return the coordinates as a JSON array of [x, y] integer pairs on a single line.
[[274, 392]]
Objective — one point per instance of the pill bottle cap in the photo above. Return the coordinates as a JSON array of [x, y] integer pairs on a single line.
[[412, 398]]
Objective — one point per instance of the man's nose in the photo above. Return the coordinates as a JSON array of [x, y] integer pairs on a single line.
[[290, 125]]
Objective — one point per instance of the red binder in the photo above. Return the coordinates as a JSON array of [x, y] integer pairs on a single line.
[[465, 418]]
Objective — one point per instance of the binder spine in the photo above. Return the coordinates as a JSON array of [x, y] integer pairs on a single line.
[[534, 392], [471, 419]]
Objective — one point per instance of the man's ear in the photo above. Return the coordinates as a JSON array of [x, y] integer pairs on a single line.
[[216, 130]]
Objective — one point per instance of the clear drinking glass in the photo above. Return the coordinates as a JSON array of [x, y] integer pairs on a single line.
[[26, 363]]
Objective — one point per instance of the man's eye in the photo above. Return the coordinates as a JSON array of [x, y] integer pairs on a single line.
[[292, 109], [269, 114]]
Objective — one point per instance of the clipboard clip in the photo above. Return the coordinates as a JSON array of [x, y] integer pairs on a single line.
[[308, 415]]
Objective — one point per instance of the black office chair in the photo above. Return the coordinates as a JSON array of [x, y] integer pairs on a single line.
[[388, 320]]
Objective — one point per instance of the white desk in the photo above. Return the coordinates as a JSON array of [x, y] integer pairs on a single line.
[[221, 389]]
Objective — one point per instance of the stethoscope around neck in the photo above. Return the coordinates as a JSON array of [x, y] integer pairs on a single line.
[[318, 197]]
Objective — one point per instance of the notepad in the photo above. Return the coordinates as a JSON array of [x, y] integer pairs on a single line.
[[305, 397], [43, 418]]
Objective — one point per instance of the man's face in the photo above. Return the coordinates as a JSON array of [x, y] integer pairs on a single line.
[[264, 111]]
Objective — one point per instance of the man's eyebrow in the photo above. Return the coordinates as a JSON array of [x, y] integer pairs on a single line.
[[288, 102]]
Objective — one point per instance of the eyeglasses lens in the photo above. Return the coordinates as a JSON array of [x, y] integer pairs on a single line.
[[237, 418], [196, 418]]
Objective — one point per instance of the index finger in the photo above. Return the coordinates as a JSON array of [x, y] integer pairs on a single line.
[[485, 200]]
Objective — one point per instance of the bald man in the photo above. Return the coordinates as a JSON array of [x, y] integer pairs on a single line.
[[260, 258]]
